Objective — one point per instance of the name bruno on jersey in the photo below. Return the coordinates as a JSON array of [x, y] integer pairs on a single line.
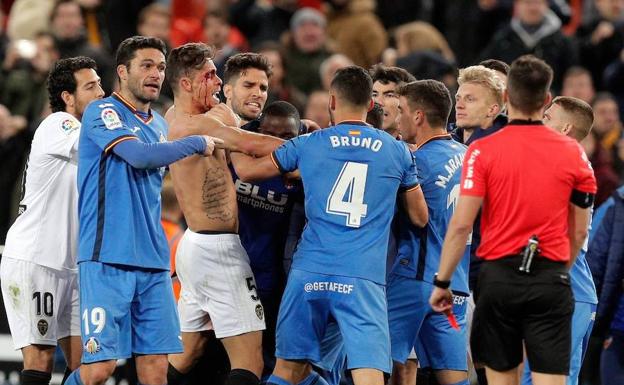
[[355, 141]]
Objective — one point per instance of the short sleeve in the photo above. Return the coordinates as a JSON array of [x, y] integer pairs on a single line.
[[474, 171], [286, 156], [102, 124], [409, 179], [585, 179], [61, 135]]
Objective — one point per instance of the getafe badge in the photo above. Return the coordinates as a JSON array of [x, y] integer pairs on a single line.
[[42, 326]]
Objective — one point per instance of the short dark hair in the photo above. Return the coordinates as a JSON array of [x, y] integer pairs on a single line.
[[582, 113], [127, 48], [602, 96], [430, 96], [61, 78], [374, 117], [496, 65], [184, 59], [240, 62], [528, 83], [384, 74], [353, 85], [281, 109]]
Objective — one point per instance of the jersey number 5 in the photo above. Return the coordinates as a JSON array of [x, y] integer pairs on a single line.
[[347, 195]]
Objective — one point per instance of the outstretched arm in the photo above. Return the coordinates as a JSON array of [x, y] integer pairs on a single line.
[[250, 169]]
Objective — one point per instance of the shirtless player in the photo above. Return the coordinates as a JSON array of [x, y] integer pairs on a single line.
[[218, 287]]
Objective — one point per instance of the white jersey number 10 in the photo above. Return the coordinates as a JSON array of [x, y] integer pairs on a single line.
[[350, 184]]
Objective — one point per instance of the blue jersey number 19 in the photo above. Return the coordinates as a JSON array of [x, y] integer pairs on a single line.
[[347, 195]]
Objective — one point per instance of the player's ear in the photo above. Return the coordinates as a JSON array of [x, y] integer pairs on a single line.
[[567, 128], [493, 110], [185, 84], [68, 98], [332, 102], [122, 72], [227, 91]]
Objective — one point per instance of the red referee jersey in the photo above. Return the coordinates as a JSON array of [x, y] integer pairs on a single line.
[[525, 174]]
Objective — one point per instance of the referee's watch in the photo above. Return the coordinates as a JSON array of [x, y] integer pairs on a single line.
[[441, 284]]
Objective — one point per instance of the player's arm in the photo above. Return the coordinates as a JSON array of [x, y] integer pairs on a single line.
[[414, 204], [581, 201], [250, 169], [154, 155]]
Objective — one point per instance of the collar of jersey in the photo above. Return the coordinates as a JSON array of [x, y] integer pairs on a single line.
[[353, 122], [132, 108], [525, 122], [436, 137]]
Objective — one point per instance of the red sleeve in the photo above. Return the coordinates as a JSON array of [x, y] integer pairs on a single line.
[[474, 171], [585, 179]]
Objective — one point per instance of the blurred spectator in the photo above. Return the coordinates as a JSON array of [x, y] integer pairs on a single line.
[[317, 108], [606, 178], [68, 27], [121, 20], [27, 17], [397, 12], [24, 72], [261, 23], [4, 39], [306, 49], [614, 78], [217, 33], [155, 21], [601, 38], [577, 82], [14, 141], [279, 88], [607, 124], [534, 29], [357, 31], [329, 66]]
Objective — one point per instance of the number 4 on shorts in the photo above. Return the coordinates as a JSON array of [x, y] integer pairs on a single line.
[[350, 184]]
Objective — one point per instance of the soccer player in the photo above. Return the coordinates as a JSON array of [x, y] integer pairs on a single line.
[[425, 106], [218, 286], [126, 301], [246, 86], [386, 80], [574, 118], [351, 175], [38, 269]]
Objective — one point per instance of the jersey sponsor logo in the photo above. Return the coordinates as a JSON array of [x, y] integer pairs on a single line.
[[92, 345], [452, 166], [468, 182], [69, 125], [249, 194], [110, 118], [260, 312], [42, 326], [335, 287], [355, 141]]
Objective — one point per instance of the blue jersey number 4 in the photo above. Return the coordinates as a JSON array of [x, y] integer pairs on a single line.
[[347, 195]]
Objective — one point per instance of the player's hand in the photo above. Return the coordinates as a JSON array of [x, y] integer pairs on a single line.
[[211, 144], [224, 114], [441, 300], [310, 125]]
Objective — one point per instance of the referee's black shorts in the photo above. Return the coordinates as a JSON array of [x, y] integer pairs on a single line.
[[512, 307]]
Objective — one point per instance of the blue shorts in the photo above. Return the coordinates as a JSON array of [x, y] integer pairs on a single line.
[[311, 301], [413, 324], [126, 311], [582, 325]]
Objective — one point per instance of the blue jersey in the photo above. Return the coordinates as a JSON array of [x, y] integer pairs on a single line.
[[351, 174], [439, 163], [263, 213], [119, 206]]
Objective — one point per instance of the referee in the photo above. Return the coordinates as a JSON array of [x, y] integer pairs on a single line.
[[536, 187]]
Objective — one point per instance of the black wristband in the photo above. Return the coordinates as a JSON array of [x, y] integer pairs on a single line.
[[440, 284]]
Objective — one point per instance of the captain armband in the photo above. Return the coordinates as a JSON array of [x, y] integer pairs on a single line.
[[582, 199]]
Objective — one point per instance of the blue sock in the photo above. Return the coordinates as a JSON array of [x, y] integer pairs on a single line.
[[74, 378], [275, 380], [463, 382], [313, 379]]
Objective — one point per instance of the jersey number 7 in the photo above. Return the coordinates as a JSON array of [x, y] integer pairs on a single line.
[[347, 196]]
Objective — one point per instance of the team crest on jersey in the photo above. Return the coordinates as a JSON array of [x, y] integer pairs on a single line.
[[42, 326], [110, 118], [260, 312], [92, 345], [69, 125]]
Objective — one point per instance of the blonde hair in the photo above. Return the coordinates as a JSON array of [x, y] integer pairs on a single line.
[[421, 36], [486, 77]]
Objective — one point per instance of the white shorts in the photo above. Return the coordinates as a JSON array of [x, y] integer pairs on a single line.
[[41, 303], [218, 286]]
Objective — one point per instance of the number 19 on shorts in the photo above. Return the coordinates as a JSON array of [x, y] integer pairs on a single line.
[[93, 319]]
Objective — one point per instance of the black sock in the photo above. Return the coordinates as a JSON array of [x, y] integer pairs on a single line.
[[68, 371], [481, 379], [241, 377], [35, 377], [174, 377]]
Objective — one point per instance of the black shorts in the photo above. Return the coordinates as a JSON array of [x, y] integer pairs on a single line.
[[512, 307]]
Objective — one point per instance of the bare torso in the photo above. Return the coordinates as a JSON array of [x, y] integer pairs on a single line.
[[204, 188]]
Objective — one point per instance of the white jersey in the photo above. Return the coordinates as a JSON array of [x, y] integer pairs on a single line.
[[46, 230]]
